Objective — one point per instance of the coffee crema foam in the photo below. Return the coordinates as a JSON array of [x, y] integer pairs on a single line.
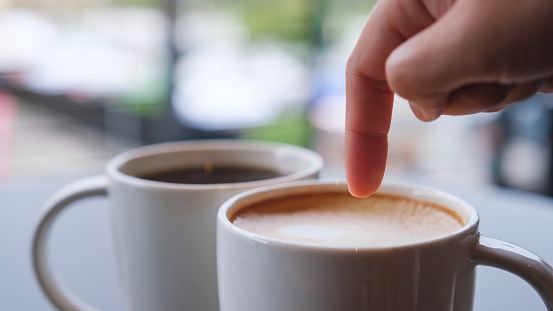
[[341, 220]]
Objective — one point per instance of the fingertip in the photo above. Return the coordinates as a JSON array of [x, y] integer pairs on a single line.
[[365, 163], [362, 192]]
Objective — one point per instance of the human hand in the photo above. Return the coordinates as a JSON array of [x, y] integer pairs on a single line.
[[445, 57]]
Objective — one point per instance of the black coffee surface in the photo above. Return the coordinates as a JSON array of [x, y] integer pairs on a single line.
[[211, 175]]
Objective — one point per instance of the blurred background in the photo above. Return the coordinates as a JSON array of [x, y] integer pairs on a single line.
[[82, 80]]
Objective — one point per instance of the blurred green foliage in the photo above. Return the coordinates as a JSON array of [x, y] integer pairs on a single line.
[[298, 21], [133, 3], [151, 98], [287, 19], [291, 127]]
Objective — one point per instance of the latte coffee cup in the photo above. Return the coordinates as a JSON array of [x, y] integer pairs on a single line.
[[311, 246], [164, 200]]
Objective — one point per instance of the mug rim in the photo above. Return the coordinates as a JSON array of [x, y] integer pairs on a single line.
[[113, 166], [314, 186]]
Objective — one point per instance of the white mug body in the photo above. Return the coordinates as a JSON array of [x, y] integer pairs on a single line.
[[260, 273], [166, 233]]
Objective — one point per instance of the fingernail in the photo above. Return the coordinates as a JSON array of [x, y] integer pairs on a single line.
[[416, 111], [423, 115]]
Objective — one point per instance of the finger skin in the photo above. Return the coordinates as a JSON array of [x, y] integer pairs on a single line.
[[369, 100], [547, 87], [489, 97], [474, 45], [444, 57], [366, 140]]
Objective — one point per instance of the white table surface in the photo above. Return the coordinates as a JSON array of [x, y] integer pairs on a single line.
[[82, 253]]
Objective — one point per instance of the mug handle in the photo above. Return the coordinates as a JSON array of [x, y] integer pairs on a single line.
[[517, 260], [57, 293]]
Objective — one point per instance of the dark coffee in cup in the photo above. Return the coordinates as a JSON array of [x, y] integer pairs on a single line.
[[210, 174]]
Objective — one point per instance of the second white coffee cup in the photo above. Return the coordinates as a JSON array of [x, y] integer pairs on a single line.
[[165, 231]]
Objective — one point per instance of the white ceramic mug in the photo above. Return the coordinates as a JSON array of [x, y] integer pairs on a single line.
[[259, 273], [165, 232]]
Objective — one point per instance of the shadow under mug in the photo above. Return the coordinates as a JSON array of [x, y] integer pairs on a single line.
[[260, 273], [165, 233]]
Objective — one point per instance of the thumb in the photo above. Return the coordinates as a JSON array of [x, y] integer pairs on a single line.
[[465, 51]]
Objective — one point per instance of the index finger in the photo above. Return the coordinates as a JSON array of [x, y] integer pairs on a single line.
[[369, 100], [368, 117]]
